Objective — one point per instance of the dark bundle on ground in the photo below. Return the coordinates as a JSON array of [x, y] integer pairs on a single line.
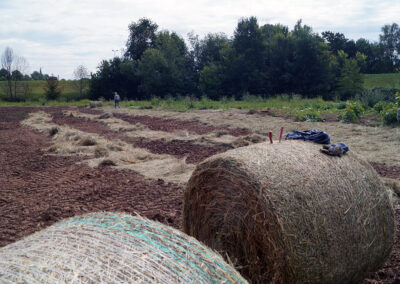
[[286, 213], [112, 248]]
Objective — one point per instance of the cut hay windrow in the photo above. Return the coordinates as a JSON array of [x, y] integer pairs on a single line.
[[112, 248], [164, 124], [220, 140], [72, 141], [286, 213]]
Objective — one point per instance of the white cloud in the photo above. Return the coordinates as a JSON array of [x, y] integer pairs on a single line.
[[60, 35]]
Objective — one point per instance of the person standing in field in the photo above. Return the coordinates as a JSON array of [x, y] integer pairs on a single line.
[[116, 99]]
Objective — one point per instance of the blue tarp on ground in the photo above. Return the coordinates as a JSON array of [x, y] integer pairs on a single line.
[[314, 135]]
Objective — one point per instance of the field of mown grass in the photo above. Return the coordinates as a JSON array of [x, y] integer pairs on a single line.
[[389, 80], [69, 93]]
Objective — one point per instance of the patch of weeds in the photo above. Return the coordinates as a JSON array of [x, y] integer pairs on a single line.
[[389, 114], [341, 105], [379, 106], [308, 114], [352, 112]]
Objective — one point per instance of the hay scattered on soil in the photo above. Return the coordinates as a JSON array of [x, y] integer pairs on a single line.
[[100, 152], [284, 212], [215, 138], [112, 248], [105, 115], [380, 149], [70, 141]]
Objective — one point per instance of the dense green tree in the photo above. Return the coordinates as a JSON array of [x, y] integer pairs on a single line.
[[208, 50], [247, 72], [349, 81], [115, 75], [166, 68], [390, 40], [338, 41], [3, 74], [36, 75], [312, 62], [141, 37], [16, 75], [335, 41]]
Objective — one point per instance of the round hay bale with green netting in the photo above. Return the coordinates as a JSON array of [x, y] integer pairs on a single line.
[[287, 213], [112, 248]]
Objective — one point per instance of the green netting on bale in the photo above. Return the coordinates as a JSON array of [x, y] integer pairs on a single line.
[[112, 248]]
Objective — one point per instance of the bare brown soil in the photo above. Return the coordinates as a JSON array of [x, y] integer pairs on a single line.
[[387, 170], [37, 189]]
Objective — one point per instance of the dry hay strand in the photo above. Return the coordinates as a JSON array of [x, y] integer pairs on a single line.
[[105, 115], [247, 140], [100, 152], [286, 213], [109, 247]]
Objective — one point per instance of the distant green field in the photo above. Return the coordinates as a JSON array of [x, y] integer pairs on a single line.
[[389, 80], [37, 92]]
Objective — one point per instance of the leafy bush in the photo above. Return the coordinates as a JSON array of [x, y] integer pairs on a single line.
[[389, 114], [341, 105], [352, 112], [348, 116], [308, 115], [379, 106]]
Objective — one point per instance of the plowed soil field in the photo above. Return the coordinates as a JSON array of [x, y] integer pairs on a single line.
[[39, 187]]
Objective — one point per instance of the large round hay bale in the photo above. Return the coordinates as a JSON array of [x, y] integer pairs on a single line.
[[287, 213], [112, 248]]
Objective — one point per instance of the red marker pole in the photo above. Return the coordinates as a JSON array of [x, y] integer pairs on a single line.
[[280, 137], [270, 137]]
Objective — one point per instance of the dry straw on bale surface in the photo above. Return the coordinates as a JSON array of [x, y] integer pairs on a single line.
[[112, 248], [286, 213]]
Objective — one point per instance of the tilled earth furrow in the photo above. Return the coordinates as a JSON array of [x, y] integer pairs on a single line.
[[37, 190]]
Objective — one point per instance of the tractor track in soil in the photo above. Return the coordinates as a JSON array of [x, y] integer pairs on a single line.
[[37, 189]]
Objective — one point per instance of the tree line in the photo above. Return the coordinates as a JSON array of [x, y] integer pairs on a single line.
[[258, 59], [261, 60]]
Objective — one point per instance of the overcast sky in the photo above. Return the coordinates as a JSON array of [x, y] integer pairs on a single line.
[[59, 35]]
